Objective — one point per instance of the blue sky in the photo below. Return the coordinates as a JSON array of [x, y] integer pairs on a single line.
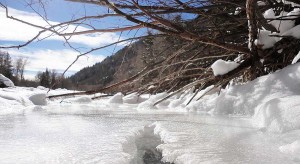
[[52, 53]]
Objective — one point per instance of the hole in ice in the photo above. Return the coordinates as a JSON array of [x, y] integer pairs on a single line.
[[146, 143]]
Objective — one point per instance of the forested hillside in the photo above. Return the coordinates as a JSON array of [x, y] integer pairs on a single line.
[[125, 63]]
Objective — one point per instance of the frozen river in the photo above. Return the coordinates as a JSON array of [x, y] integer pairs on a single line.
[[126, 136]]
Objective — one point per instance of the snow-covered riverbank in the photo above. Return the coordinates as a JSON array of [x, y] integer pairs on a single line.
[[259, 119]]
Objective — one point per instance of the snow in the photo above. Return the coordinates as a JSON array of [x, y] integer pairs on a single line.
[[261, 3], [6, 81], [296, 58], [221, 67], [281, 25], [292, 149], [133, 98], [279, 114], [79, 100], [238, 10], [295, 32], [267, 39], [264, 40], [117, 98], [225, 125], [149, 103]]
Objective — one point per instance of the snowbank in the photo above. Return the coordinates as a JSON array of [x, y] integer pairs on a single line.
[[15, 100], [272, 99]]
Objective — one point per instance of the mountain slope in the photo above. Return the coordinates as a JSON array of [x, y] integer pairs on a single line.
[[123, 64]]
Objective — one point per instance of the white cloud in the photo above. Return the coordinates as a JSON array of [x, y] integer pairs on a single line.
[[59, 60], [11, 30]]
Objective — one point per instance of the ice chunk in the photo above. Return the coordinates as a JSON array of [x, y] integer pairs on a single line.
[[38, 99], [221, 67]]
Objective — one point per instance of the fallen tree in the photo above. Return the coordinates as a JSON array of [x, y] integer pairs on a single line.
[[248, 32]]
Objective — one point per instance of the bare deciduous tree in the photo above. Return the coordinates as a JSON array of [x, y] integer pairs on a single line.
[[19, 67]]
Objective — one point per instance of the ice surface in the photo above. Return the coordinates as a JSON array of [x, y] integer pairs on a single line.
[[65, 139], [124, 136], [216, 141], [221, 67]]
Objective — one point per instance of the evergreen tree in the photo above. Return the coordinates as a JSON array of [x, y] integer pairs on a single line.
[[6, 67]]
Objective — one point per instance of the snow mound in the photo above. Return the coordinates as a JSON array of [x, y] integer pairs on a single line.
[[146, 106], [205, 104], [221, 67], [149, 104], [5, 82], [117, 98], [133, 98], [292, 149], [38, 99]]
